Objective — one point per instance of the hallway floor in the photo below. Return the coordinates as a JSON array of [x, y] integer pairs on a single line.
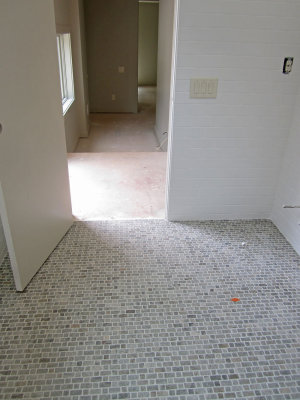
[[123, 132], [118, 172], [143, 310], [117, 185]]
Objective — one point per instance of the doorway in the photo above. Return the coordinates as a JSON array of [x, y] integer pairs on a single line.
[[119, 171]]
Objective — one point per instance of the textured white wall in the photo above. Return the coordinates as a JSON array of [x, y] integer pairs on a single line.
[[226, 152], [288, 191], [3, 248]]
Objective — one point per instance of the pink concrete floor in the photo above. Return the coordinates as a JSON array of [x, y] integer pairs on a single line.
[[117, 185], [123, 132]]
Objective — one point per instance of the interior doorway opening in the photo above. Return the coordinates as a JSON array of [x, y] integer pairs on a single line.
[[119, 170]]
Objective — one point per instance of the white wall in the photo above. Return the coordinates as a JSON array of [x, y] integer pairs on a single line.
[[68, 18], [112, 41], [3, 248], [226, 152], [147, 44], [288, 191], [164, 67]]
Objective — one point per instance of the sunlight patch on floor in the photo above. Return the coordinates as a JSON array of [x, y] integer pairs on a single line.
[[117, 185]]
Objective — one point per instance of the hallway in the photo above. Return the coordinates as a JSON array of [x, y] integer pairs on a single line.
[[118, 172], [118, 132]]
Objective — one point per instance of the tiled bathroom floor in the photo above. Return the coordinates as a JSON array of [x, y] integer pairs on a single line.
[[142, 309]]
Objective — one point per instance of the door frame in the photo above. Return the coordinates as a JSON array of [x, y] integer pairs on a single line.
[[171, 108]]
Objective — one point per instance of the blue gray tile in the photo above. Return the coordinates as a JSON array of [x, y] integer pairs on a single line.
[[142, 310]]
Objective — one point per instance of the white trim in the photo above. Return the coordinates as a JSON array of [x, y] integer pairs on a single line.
[[171, 108], [64, 50], [67, 104]]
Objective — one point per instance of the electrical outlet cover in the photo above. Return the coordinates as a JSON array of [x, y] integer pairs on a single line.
[[287, 65]]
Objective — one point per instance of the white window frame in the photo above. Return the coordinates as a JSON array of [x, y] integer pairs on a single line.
[[65, 70]]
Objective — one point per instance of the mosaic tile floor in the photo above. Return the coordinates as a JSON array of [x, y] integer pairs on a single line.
[[143, 310]]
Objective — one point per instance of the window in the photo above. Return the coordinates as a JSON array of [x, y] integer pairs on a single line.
[[65, 70]]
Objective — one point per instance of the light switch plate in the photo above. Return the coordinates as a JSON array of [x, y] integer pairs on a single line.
[[121, 69], [203, 88]]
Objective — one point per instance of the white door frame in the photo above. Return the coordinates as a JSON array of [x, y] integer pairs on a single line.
[[171, 107]]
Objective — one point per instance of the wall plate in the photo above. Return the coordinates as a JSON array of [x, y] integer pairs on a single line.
[[203, 88]]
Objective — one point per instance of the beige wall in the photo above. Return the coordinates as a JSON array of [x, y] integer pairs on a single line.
[[68, 18], [84, 63], [148, 37], [112, 41], [164, 68]]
